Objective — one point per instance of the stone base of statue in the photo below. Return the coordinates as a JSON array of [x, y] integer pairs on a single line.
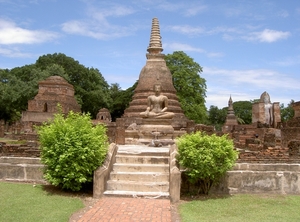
[[152, 132]]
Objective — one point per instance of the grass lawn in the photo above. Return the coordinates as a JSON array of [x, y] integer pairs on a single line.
[[26, 202], [243, 208]]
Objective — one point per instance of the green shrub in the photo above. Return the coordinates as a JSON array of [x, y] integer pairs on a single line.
[[205, 158], [71, 149]]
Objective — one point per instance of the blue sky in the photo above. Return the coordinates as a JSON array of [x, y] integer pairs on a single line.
[[245, 47]]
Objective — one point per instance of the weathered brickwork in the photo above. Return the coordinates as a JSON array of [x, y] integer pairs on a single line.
[[19, 150]]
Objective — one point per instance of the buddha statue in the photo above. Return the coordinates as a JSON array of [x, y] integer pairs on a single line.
[[157, 105]]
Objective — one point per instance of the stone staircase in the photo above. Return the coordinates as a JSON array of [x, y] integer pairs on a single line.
[[140, 171]]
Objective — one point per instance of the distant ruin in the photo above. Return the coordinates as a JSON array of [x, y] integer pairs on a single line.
[[266, 140]]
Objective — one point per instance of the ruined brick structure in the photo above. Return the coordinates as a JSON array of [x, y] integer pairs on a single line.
[[52, 91], [104, 117], [266, 113], [266, 140]]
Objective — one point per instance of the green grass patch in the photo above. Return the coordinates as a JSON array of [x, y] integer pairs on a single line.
[[242, 208], [26, 202]]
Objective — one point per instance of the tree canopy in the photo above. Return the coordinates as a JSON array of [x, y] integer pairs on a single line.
[[190, 86], [287, 113], [121, 99], [243, 111], [91, 89], [217, 117], [20, 84]]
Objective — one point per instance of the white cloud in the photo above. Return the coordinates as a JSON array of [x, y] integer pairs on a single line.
[[186, 29], [97, 25], [192, 31], [14, 53], [194, 10], [182, 47], [283, 14], [176, 46], [215, 54], [290, 61], [247, 85], [113, 11], [95, 30], [261, 78], [268, 35], [10, 33]]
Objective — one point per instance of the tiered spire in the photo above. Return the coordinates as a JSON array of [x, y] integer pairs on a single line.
[[155, 46], [230, 107], [231, 119]]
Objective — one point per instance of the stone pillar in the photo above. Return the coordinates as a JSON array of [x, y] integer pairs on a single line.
[[258, 112], [276, 114], [120, 131], [296, 107]]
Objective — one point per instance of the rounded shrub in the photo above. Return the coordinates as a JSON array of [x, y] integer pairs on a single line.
[[71, 149], [206, 158]]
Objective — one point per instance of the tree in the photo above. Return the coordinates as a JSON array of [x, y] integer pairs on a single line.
[[217, 117], [91, 89], [19, 85], [206, 158], [10, 93], [191, 88], [71, 149], [287, 113], [120, 99], [243, 111]]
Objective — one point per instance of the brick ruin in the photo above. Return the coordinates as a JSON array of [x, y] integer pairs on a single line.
[[258, 142], [52, 91], [267, 140]]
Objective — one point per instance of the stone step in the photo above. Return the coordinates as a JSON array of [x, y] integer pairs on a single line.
[[149, 195], [142, 159], [140, 176], [123, 185], [138, 150], [140, 171], [123, 167], [19, 160]]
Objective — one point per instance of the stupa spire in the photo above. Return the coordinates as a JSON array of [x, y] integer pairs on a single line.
[[230, 110], [155, 46]]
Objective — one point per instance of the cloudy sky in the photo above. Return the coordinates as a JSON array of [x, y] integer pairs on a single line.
[[245, 47]]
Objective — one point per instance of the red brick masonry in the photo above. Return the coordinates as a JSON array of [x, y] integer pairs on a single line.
[[129, 209]]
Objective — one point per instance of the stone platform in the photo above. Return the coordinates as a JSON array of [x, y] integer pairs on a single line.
[[21, 169], [151, 131]]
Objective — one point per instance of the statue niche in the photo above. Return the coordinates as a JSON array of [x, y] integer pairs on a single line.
[[265, 113]]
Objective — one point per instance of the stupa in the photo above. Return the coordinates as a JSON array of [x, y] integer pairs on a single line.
[[155, 72], [231, 119]]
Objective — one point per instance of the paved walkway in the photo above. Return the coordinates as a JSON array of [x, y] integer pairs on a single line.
[[129, 209]]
